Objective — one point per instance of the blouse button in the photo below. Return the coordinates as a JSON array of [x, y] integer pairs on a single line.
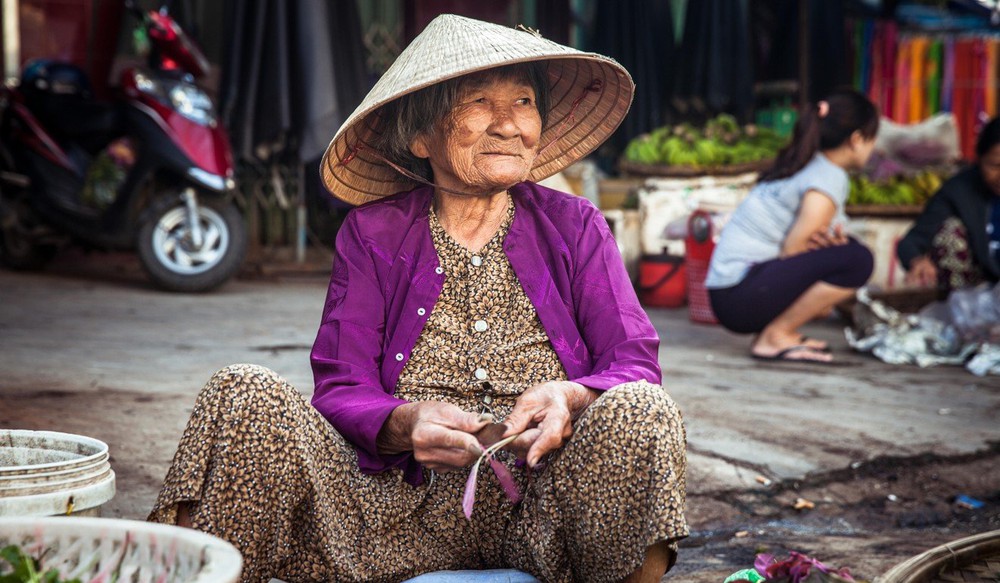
[[421, 311], [477, 260], [480, 373], [439, 270], [399, 356], [481, 326]]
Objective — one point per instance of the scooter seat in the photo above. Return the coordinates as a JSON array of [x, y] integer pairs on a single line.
[[92, 124], [92, 118]]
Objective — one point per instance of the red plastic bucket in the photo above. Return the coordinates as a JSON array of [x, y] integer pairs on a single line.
[[699, 246], [662, 281]]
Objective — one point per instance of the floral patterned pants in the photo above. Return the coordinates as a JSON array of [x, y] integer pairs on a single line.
[[261, 468]]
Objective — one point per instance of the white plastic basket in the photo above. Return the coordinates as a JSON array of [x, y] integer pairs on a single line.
[[45, 473], [86, 548]]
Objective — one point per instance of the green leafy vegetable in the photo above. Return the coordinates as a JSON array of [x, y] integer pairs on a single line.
[[23, 568], [722, 141]]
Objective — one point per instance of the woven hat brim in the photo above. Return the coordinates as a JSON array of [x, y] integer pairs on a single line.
[[579, 121]]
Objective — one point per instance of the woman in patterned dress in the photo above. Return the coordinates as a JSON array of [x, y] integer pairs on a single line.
[[955, 242], [469, 306]]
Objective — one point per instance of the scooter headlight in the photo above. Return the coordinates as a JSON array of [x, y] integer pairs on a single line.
[[146, 85], [192, 103]]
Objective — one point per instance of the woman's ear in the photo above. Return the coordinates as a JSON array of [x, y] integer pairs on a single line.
[[857, 139], [418, 147]]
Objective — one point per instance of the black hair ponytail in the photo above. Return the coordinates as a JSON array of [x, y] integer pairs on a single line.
[[824, 126]]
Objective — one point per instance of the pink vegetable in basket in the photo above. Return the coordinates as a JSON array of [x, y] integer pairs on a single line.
[[799, 568]]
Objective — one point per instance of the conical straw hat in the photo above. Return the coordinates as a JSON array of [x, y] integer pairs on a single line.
[[589, 95]]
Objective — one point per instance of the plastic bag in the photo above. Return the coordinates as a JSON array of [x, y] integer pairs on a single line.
[[963, 330], [909, 149], [975, 313]]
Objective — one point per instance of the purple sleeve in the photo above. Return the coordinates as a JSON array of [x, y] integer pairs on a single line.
[[621, 339], [347, 354]]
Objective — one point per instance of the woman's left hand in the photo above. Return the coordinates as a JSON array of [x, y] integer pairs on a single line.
[[831, 238], [544, 413]]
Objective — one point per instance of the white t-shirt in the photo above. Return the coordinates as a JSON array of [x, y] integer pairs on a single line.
[[759, 225]]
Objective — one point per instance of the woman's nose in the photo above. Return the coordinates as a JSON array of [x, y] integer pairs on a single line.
[[503, 123]]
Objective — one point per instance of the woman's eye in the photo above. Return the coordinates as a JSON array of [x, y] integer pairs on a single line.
[[524, 101]]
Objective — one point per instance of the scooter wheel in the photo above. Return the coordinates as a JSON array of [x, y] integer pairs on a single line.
[[170, 255]]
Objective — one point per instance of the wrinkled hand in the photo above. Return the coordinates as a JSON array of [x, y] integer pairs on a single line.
[[922, 272], [545, 414], [439, 434], [831, 238]]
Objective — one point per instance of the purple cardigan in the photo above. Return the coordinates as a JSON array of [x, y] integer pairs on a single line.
[[386, 280]]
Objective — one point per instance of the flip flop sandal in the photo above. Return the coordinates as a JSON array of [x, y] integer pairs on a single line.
[[783, 356], [825, 349]]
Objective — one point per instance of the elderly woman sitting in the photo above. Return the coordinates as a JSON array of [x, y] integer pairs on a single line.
[[470, 306]]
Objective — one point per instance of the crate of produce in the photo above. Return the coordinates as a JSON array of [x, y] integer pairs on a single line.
[[722, 147]]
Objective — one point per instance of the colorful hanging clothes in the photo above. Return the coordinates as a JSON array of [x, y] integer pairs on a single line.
[[979, 84], [916, 89], [934, 70], [889, 42], [914, 75], [963, 98], [901, 104], [948, 74]]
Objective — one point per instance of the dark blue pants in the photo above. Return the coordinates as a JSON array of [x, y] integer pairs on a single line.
[[770, 287]]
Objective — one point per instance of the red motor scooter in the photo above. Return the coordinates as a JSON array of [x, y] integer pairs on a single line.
[[151, 171]]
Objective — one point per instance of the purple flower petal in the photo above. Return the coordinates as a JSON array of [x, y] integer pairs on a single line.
[[506, 480], [762, 562], [469, 498]]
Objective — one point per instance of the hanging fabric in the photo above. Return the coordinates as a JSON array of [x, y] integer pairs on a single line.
[[948, 75], [963, 93], [918, 59], [876, 76], [990, 77], [979, 84], [901, 80], [933, 85], [638, 37], [867, 36], [889, 42]]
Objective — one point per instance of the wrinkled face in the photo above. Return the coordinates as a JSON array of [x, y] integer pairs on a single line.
[[989, 165], [489, 140]]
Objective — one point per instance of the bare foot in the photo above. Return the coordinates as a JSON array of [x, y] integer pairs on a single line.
[[779, 346], [814, 343]]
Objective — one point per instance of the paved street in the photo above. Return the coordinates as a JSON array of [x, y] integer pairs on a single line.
[[90, 347]]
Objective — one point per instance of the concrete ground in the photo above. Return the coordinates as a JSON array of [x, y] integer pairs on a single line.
[[89, 347]]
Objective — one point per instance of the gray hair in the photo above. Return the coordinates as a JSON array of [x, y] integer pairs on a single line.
[[417, 113]]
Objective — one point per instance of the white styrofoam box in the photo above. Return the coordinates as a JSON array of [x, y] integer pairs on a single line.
[[880, 234], [665, 200], [625, 226]]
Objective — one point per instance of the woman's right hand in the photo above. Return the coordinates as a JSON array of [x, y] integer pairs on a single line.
[[922, 272], [440, 435]]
